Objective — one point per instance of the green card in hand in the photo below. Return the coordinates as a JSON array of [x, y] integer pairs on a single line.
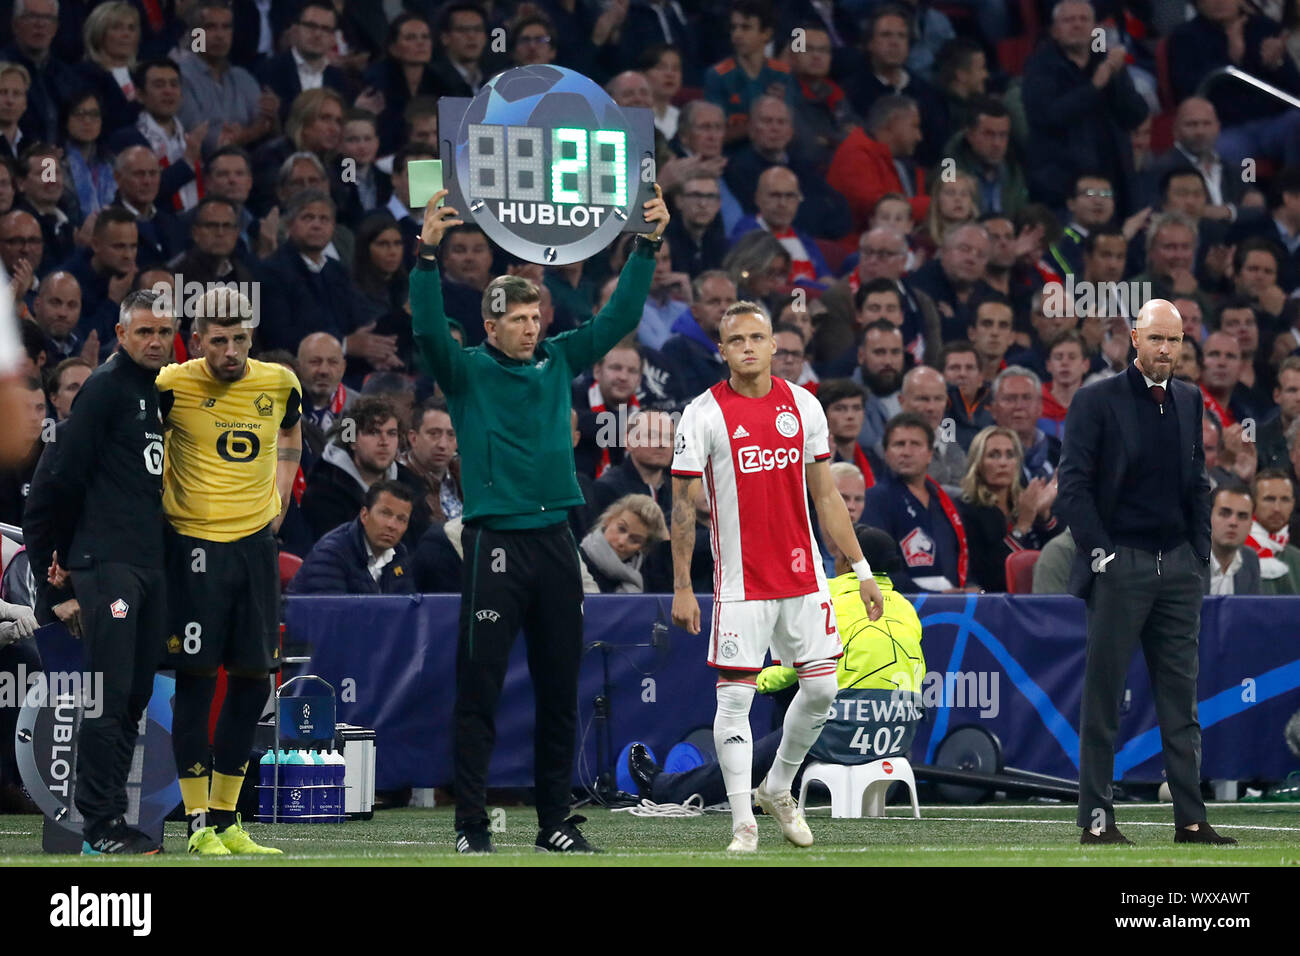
[[424, 177]]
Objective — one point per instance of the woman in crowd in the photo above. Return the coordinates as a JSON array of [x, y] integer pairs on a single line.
[[83, 150], [662, 66], [112, 35], [952, 203], [999, 515], [367, 187], [615, 548], [383, 282], [759, 266], [403, 74]]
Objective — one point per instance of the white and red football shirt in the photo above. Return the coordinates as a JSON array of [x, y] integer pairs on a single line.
[[751, 454]]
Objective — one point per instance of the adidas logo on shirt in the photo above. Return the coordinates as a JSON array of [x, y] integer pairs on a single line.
[[740, 432]]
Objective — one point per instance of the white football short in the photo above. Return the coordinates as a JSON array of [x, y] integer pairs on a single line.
[[797, 629]]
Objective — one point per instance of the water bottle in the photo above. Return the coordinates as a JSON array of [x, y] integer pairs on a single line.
[[325, 809], [294, 778], [319, 800], [265, 795], [338, 776]]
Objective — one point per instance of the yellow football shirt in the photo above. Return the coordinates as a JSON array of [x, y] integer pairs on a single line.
[[219, 470]]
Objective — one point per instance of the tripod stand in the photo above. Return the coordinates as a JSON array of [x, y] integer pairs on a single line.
[[606, 790]]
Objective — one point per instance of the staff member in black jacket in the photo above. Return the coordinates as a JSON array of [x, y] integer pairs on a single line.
[[1135, 494], [98, 512]]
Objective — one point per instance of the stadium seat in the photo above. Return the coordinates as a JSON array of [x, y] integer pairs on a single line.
[[1031, 23], [687, 93], [834, 253], [859, 790], [1162, 133], [1164, 83], [1020, 572], [1013, 52], [289, 565]]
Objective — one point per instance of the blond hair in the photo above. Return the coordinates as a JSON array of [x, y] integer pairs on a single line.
[[99, 22], [934, 223], [645, 508], [973, 487], [7, 67], [305, 109]]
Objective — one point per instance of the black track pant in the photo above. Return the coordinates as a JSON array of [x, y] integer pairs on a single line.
[[124, 627], [514, 579]]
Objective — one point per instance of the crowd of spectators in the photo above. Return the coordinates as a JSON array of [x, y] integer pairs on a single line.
[[952, 211]]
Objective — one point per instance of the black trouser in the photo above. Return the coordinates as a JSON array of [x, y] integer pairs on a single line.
[[123, 627], [706, 779], [1154, 600], [513, 579]]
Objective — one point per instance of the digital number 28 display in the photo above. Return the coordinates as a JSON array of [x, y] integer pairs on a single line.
[[587, 167]]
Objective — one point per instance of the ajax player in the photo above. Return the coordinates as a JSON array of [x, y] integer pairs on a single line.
[[760, 445]]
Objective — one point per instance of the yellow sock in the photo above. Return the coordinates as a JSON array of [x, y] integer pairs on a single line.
[[194, 793], [225, 791]]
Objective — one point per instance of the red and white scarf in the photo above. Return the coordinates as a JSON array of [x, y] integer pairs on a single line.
[[954, 519], [1218, 410], [864, 466], [597, 402], [1268, 547], [336, 403], [801, 266]]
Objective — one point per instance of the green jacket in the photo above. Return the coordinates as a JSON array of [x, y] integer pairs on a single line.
[[1288, 583], [1015, 190], [512, 416]]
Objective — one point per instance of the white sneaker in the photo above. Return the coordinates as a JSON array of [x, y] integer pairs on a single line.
[[744, 839], [786, 810]]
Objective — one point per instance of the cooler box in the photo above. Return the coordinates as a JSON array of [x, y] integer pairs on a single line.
[[357, 744]]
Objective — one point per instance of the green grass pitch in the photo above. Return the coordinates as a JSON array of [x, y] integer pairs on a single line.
[[988, 835]]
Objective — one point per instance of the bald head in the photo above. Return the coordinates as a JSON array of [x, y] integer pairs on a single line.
[[926, 393], [58, 304], [882, 254], [321, 364], [1158, 337], [778, 197], [1156, 309], [630, 88], [138, 175]]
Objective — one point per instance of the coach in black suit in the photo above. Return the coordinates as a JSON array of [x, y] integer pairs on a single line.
[[1134, 491]]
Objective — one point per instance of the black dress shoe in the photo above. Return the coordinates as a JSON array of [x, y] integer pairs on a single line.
[[1109, 835], [643, 770], [1204, 833]]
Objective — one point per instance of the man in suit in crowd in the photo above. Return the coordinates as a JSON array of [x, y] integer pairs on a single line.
[[1135, 493]]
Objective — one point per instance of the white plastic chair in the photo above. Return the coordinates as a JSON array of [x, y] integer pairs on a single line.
[[859, 790]]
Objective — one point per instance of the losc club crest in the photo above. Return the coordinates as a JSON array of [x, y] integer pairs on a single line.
[[263, 404], [787, 424]]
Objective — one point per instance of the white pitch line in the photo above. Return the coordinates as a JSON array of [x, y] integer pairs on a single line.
[[1127, 823]]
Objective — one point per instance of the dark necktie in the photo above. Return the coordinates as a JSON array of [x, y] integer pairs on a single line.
[[1158, 393]]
